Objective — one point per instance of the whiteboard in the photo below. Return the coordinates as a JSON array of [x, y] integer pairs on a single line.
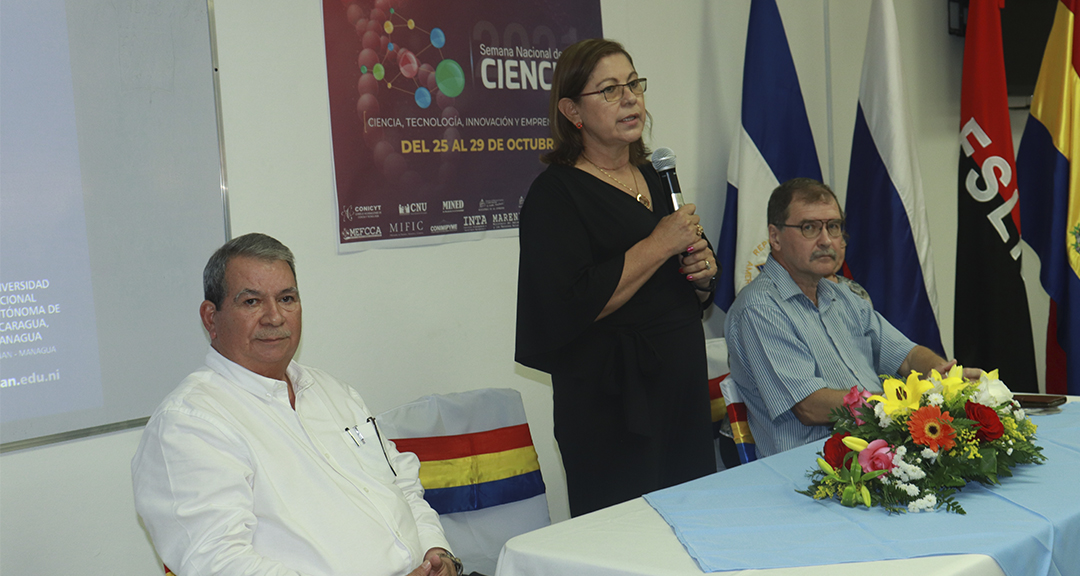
[[111, 201]]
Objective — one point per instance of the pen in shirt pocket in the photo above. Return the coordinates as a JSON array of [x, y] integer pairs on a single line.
[[356, 436]]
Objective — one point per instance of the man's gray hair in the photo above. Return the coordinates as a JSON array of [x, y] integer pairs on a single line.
[[253, 245]]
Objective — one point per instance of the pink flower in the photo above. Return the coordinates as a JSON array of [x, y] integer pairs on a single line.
[[854, 400], [876, 456]]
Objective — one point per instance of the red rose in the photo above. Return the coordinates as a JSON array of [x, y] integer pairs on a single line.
[[989, 424], [835, 450]]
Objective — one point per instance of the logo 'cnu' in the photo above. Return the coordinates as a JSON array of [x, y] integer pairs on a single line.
[[413, 208]]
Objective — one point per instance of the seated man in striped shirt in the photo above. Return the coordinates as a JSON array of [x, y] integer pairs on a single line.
[[797, 343]]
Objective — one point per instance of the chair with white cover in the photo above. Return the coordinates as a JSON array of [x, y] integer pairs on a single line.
[[478, 466]]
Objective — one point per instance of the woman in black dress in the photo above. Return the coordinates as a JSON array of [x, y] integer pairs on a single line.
[[611, 287]]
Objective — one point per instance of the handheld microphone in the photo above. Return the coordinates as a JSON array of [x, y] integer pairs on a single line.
[[663, 159]]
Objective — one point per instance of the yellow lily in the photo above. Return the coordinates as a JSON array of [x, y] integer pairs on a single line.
[[856, 444], [901, 396], [953, 383]]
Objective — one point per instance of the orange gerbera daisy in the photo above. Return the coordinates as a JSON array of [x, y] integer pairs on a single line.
[[931, 427]]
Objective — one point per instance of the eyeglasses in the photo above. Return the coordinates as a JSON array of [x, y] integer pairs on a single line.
[[614, 92], [812, 228]]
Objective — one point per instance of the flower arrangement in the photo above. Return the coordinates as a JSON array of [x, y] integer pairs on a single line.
[[917, 445]]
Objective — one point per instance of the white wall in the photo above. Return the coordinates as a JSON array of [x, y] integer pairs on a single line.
[[406, 322]]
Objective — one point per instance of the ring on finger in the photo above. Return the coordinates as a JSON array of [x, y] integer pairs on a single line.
[[700, 230], [707, 265]]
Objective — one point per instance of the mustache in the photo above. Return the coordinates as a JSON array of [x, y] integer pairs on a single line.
[[273, 334], [830, 252]]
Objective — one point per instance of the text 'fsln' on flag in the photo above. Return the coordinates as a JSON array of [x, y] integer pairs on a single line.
[[992, 321]]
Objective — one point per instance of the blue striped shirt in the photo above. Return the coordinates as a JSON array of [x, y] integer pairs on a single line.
[[782, 348]]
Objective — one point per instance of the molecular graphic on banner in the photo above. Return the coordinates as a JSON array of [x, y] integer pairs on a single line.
[[380, 54], [400, 59], [449, 77]]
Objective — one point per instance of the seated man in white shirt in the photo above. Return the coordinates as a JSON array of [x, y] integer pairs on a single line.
[[258, 465], [797, 342]]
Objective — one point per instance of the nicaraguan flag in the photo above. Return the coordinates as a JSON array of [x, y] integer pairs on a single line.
[[1048, 173], [774, 145], [889, 248]]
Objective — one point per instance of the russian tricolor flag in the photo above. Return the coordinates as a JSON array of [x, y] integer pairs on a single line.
[[774, 145], [1048, 171], [889, 247]]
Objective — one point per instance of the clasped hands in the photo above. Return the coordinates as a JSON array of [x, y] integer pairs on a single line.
[[435, 564], [681, 233]]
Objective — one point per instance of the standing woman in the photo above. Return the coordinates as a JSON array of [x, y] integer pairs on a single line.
[[611, 288]]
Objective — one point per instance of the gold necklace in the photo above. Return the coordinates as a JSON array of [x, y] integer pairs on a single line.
[[639, 197]]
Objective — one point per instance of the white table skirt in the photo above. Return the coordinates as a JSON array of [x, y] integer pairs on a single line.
[[631, 539]]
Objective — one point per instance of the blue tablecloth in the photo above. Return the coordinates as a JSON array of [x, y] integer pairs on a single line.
[[751, 517]]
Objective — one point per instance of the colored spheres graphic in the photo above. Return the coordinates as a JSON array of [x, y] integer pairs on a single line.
[[408, 64], [450, 78], [422, 97], [392, 62], [399, 62]]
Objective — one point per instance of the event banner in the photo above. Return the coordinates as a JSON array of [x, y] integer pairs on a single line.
[[439, 112]]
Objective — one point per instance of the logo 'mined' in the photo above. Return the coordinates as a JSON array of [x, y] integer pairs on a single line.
[[414, 208], [453, 205]]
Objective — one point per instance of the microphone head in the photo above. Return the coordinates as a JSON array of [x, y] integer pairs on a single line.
[[663, 159]]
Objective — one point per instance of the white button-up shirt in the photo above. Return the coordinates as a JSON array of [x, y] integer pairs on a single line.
[[229, 479]]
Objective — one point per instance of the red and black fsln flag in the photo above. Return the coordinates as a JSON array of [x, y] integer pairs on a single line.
[[992, 323]]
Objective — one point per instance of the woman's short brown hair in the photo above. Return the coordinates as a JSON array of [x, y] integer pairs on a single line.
[[572, 73]]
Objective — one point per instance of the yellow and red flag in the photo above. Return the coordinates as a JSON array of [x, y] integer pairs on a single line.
[[1048, 175]]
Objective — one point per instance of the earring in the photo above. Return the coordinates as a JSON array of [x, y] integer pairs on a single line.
[[578, 125]]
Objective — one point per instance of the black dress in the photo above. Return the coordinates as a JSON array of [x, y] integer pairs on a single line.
[[631, 396]]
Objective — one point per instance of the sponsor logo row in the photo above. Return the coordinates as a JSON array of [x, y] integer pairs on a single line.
[[473, 223], [351, 213]]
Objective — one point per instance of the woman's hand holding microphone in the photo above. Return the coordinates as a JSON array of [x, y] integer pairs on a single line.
[[681, 233]]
